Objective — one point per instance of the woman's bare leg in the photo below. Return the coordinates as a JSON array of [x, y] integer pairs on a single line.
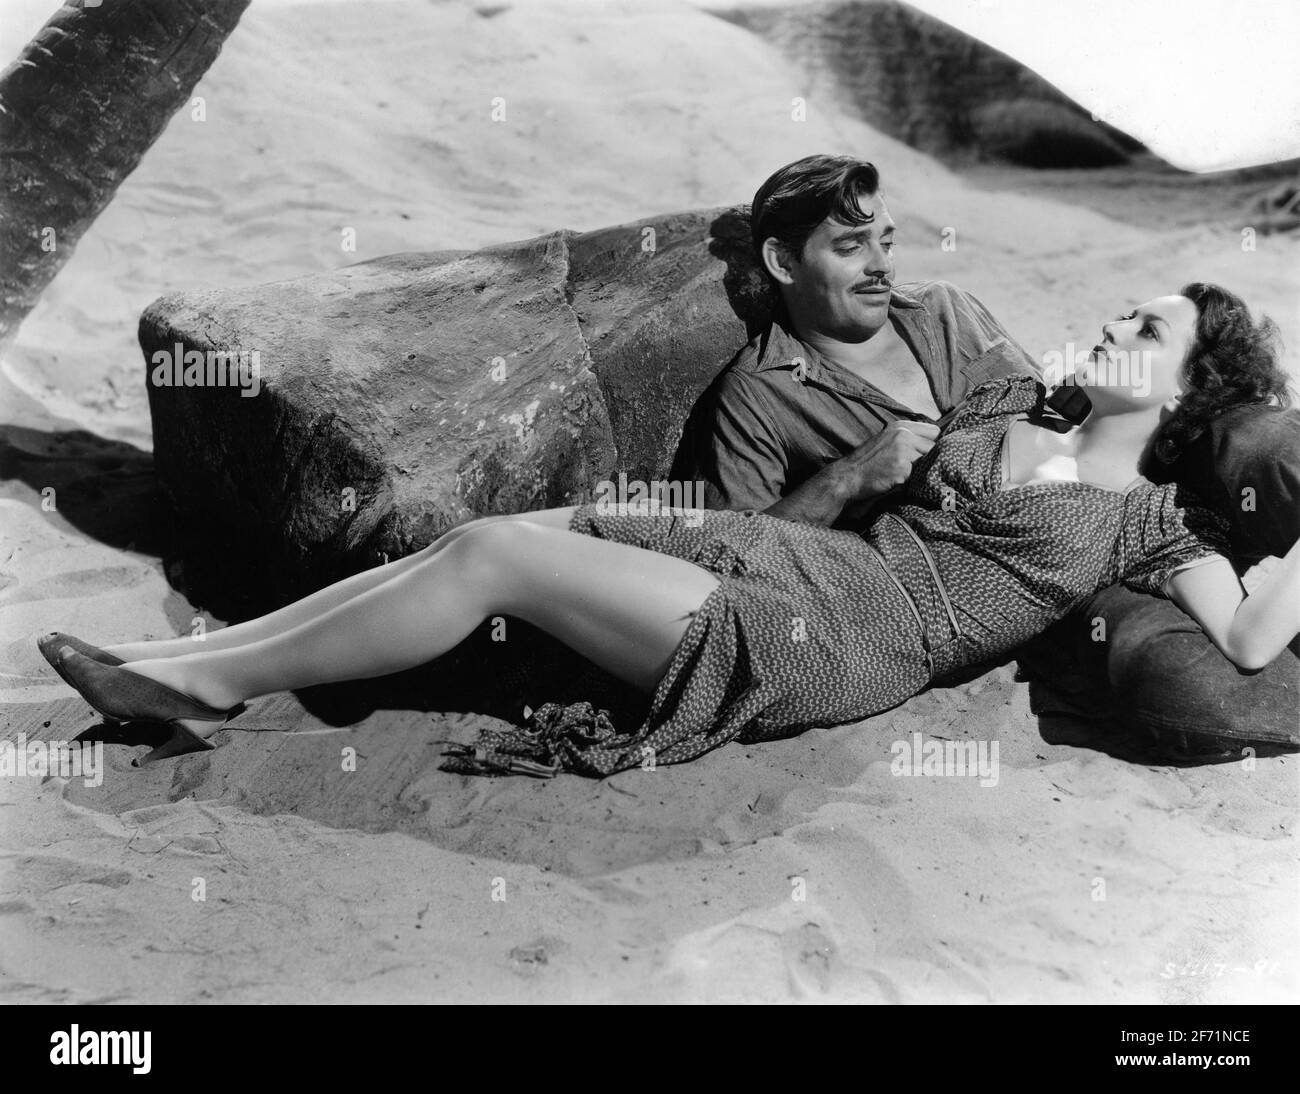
[[323, 600], [622, 607]]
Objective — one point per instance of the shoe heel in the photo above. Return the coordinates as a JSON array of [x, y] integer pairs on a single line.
[[181, 742]]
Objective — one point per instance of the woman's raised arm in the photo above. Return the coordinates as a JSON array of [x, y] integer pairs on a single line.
[[1249, 630]]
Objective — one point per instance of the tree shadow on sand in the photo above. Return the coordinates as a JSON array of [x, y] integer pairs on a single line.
[[103, 488]]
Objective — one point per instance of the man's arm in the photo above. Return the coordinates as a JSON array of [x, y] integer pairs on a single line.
[[731, 445], [855, 482], [818, 500]]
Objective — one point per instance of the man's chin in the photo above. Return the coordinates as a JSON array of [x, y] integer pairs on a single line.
[[860, 328]]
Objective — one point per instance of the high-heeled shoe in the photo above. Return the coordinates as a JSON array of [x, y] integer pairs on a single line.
[[51, 643], [126, 696]]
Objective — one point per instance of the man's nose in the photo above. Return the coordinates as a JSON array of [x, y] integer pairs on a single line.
[[1106, 333], [878, 261]]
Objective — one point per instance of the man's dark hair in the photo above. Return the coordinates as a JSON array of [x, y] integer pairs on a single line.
[[799, 196]]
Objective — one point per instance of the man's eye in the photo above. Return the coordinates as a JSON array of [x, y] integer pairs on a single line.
[[1149, 332], [846, 250], [1126, 318]]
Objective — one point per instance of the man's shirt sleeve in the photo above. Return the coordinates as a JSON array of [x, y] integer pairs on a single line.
[[732, 447]]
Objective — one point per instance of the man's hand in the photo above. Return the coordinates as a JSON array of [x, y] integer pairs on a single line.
[[882, 464], [853, 483]]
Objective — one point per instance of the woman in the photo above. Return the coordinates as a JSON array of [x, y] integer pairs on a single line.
[[745, 625]]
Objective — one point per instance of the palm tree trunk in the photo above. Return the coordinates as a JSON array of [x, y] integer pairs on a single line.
[[78, 110]]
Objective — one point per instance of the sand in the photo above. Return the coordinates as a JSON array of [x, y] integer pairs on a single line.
[[801, 870]]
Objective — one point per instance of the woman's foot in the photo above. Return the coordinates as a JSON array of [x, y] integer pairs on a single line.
[[50, 645], [132, 693], [123, 653]]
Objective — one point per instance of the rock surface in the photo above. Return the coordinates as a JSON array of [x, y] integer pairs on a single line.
[[399, 397]]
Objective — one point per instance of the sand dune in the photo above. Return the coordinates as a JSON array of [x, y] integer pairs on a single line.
[[681, 884]]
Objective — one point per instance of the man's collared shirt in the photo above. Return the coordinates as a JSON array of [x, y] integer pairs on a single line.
[[781, 411]]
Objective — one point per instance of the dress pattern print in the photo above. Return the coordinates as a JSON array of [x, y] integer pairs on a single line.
[[818, 627]]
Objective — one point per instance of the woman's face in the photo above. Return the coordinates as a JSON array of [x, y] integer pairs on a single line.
[[1139, 360]]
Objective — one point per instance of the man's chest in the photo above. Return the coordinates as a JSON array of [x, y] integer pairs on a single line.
[[888, 365]]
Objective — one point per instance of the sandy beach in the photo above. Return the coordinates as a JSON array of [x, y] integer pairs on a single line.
[[802, 870]]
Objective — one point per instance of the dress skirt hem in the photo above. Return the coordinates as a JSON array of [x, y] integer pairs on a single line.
[[804, 629]]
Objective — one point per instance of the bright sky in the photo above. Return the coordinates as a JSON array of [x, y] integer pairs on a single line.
[[1207, 84]]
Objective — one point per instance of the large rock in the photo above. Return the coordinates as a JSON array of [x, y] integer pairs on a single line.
[[399, 397], [933, 86]]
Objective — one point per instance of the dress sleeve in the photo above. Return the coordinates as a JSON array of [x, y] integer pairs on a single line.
[[997, 398], [1167, 530]]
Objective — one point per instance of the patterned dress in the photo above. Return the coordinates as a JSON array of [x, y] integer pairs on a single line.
[[819, 627]]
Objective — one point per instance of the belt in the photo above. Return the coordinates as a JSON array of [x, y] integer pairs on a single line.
[[927, 641]]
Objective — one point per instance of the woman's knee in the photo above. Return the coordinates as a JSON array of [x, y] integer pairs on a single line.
[[490, 552], [452, 535]]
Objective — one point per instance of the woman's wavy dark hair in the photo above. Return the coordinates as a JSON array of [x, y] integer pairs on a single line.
[[1232, 362]]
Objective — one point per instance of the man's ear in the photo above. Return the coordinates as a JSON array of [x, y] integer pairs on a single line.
[[778, 260]]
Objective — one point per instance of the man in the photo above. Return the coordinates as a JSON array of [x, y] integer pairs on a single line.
[[820, 418]]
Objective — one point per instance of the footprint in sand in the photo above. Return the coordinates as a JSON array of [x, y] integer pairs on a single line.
[[811, 959], [532, 957]]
